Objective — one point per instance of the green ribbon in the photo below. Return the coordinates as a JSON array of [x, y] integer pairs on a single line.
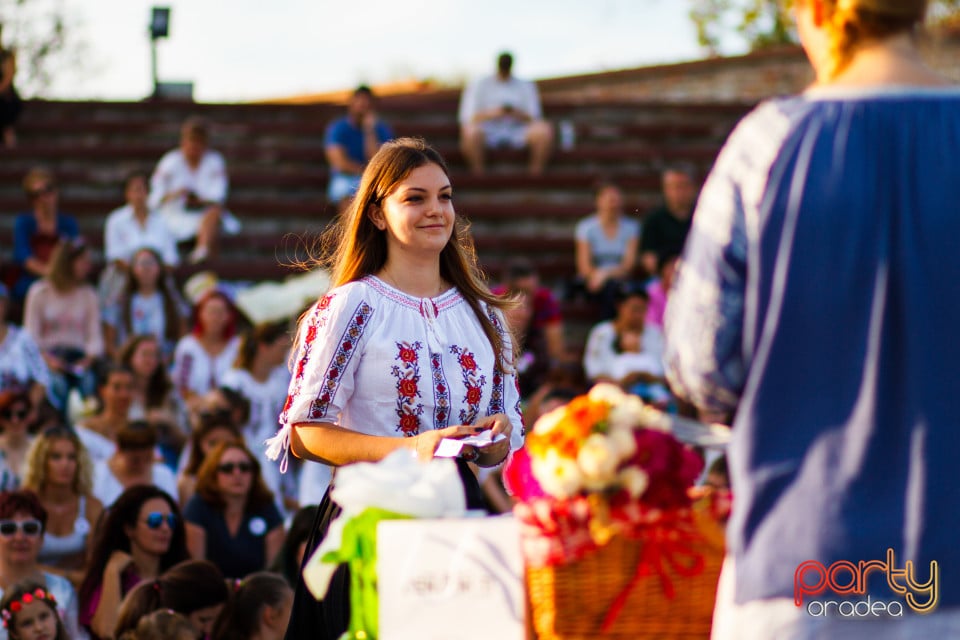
[[358, 549]]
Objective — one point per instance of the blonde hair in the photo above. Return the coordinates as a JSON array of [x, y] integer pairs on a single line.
[[354, 247], [853, 22], [35, 477]]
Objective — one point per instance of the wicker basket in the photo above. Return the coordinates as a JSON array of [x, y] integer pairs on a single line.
[[572, 601]]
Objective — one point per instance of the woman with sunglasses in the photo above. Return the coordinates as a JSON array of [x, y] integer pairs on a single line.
[[37, 232], [16, 416], [232, 520], [22, 523], [139, 538], [59, 472]]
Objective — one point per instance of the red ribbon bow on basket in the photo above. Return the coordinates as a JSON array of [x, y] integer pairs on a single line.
[[662, 545]]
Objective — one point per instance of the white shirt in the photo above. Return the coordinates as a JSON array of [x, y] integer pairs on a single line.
[[491, 92], [208, 181], [196, 370], [123, 236], [98, 446], [21, 363], [600, 358], [266, 402], [375, 360], [106, 487]]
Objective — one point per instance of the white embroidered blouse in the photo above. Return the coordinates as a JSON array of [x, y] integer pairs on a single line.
[[375, 360]]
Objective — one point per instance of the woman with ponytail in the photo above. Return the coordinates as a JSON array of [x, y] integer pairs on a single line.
[[818, 302], [195, 589], [258, 609]]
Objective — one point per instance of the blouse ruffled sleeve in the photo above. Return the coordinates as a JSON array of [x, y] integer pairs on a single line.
[[322, 381]]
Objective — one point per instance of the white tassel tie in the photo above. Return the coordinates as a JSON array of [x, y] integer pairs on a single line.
[[280, 444]]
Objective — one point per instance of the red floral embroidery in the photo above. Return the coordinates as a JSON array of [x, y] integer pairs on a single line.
[[472, 383], [325, 302], [311, 334], [409, 424], [407, 374], [467, 363], [473, 395], [408, 388], [441, 395], [339, 362]]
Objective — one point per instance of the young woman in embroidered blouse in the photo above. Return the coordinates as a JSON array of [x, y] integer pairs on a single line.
[[59, 471], [204, 355], [408, 347]]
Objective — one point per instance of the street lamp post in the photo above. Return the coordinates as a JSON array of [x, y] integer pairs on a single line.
[[159, 28]]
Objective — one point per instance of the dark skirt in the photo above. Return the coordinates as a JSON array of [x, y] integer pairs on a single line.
[[327, 619]]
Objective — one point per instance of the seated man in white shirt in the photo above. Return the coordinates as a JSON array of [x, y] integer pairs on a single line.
[[128, 229], [502, 110], [189, 188]]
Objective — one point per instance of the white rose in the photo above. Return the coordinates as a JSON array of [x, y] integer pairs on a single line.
[[628, 413], [598, 460], [549, 421], [606, 392], [623, 442], [560, 477], [634, 480]]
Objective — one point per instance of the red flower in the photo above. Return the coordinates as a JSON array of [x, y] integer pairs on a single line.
[[407, 388], [359, 319], [324, 302], [467, 362], [346, 346], [441, 388], [334, 372], [473, 395], [441, 416], [409, 424], [518, 477], [288, 403], [15, 607], [311, 334], [27, 598], [407, 355]]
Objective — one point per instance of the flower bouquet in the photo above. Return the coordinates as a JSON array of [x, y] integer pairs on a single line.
[[612, 543]]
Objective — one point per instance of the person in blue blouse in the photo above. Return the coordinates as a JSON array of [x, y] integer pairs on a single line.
[[350, 142], [37, 232], [818, 302], [232, 520]]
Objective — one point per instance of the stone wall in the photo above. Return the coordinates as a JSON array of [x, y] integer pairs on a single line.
[[747, 78]]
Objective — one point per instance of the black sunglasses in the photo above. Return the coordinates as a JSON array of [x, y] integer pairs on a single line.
[[42, 191], [155, 519], [10, 414], [229, 467], [8, 528]]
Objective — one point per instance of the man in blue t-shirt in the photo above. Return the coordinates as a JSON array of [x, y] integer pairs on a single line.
[[350, 142]]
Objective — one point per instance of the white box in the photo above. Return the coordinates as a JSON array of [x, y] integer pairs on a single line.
[[450, 578]]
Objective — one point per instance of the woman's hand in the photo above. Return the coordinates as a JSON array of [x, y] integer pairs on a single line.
[[492, 455], [427, 442], [119, 560]]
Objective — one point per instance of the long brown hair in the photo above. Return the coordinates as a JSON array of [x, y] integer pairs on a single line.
[[61, 275], [171, 312], [159, 384], [852, 22], [353, 247], [262, 334], [209, 489]]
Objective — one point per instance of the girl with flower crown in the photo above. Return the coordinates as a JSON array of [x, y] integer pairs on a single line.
[[29, 612]]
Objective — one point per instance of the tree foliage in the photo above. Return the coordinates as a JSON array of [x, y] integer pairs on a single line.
[[763, 23], [40, 32]]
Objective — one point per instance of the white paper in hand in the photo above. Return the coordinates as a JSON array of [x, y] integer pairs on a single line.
[[450, 448]]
